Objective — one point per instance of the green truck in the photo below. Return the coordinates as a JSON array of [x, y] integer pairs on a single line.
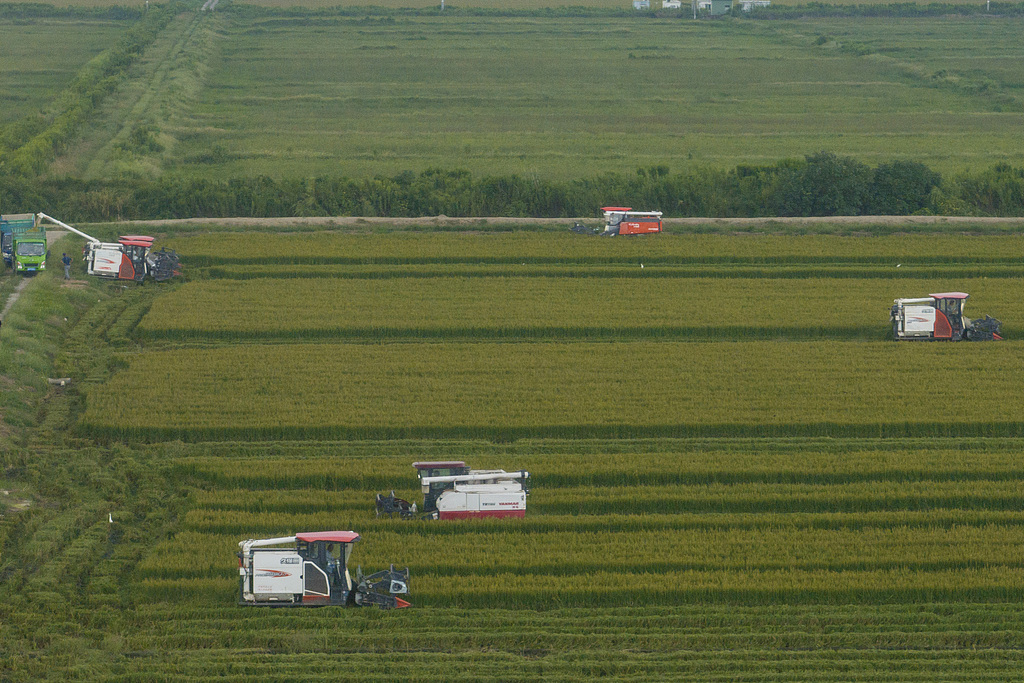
[[23, 242]]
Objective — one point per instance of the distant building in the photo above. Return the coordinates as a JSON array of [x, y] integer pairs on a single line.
[[715, 7], [641, 4], [747, 5], [671, 4]]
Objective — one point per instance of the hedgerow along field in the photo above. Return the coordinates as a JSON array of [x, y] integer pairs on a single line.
[[828, 556]]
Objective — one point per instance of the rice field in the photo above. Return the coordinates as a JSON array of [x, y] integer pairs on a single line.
[[735, 476], [32, 72], [827, 507], [550, 307], [780, 560], [942, 92], [517, 248]]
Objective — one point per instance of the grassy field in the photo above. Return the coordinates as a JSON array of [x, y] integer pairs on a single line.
[[610, 96], [291, 96], [32, 71]]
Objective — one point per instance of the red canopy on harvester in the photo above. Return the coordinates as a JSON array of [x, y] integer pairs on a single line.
[[949, 295], [333, 536], [135, 240], [616, 208]]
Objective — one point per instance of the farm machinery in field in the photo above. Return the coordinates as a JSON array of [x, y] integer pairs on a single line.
[[939, 317], [453, 491], [312, 572], [623, 220], [23, 243], [130, 258]]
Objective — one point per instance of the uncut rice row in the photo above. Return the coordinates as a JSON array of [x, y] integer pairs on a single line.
[[579, 389], [582, 553], [842, 271], [696, 463], [739, 497], [621, 588], [210, 249], [552, 307]]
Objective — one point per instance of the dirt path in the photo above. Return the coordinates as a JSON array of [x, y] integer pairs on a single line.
[[14, 296]]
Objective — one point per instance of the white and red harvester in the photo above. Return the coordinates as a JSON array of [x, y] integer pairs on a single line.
[[453, 491], [312, 572], [939, 317], [130, 258], [623, 220]]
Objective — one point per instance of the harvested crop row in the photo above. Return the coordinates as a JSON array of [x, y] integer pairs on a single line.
[[563, 390], [214, 249], [551, 308]]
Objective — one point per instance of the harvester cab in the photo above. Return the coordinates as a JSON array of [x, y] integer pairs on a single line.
[[453, 491], [623, 220], [940, 317], [313, 571]]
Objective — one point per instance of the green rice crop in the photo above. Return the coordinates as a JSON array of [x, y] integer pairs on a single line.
[[570, 552], [563, 390], [808, 522], [342, 466], [32, 76], [549, 308], [533, 248], [299, 97], [622, 270]]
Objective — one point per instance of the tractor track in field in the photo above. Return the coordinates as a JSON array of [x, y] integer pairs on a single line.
[[14, 297], [738, 225]]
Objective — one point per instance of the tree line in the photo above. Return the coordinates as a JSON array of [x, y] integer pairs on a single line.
[[822, 184]]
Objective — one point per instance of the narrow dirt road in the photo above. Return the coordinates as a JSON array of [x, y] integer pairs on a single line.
[[14, 297]]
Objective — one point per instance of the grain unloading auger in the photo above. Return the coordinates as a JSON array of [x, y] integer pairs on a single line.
[[312, 572], [130, 258], [940, 317], [453, 491]]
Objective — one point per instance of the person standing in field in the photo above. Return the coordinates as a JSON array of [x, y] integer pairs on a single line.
[[66, 260]]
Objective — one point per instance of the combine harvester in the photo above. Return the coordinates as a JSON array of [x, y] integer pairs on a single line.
[[313, 572], [130, 258], [939, 317], [453, 491], [623, 220]]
